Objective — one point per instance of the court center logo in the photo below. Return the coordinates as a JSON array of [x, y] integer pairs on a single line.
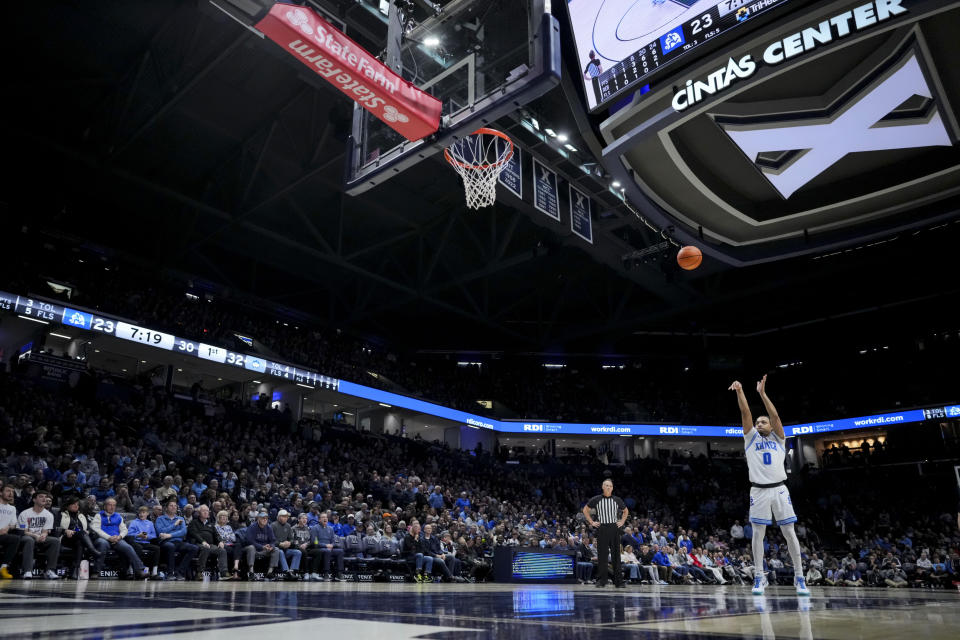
[[807, 145]]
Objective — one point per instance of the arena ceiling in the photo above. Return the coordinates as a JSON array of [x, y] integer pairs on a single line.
[[167, 133]]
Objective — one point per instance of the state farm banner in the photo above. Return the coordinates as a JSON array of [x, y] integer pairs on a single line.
[[406, 109]]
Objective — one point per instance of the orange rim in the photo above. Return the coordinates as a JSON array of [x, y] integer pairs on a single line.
[[479, 167]]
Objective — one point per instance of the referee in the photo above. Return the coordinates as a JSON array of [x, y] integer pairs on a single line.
[[611, 514]]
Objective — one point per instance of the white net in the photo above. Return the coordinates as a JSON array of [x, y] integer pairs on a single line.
[[479, 158]]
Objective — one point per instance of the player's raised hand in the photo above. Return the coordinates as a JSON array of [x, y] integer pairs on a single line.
[[762, 385], [736, 386]]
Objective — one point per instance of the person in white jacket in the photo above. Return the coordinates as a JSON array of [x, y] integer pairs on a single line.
[[76, 535]]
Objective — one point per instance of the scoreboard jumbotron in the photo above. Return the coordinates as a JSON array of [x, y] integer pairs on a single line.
[[621, 43]]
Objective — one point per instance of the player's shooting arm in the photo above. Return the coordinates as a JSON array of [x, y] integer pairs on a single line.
[[745, 417], [771, 410]]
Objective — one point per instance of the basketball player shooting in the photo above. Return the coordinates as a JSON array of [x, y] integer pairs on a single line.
[[769, 497]]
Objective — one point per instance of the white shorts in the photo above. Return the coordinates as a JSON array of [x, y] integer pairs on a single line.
[[771, 505]]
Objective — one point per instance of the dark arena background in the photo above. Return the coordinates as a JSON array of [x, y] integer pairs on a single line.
[[332, 318]]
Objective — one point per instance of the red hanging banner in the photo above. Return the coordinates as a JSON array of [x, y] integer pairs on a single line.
[[313, 41]]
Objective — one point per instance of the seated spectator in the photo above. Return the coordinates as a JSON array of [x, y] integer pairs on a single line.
[[142, 536], [449, 552], [261, 543], [300, 540], [893, 574], [103, 490], [736, 531], [629, 538], [349, 526], [415, 551], [76, 535], [328, 548], [630, 564], [834, 573], [431, 546], [166, 492], [939, 576], [853, 578], [290, 555], [145, 498], [709, 567], [124, 501], [662, 562], [679, 571], [172, 533], [9, 538], [370, 543], [228, 536], [814, 576], [388, 545], [37, 525], [202, 532], [109, 531], [924, 567]]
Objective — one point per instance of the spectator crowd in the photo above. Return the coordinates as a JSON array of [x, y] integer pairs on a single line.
[[165, 490]]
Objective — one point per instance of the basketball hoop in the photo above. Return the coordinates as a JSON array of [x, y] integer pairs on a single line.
[[479, 158]]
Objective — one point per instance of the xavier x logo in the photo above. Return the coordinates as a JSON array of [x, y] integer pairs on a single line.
[[856, 127]]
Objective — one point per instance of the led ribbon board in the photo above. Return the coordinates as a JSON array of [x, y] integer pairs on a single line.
[[51, 312]]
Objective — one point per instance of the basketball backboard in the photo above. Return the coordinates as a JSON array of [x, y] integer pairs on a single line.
[[482, 58]]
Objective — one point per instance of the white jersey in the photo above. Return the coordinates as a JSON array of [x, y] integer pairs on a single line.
[[765, 458]]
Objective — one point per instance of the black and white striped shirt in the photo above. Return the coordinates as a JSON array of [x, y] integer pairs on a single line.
[[608, 509]]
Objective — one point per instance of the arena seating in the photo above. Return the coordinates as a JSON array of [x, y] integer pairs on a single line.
[[259, 460]]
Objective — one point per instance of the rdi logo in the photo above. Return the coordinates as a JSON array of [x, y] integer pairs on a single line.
[[799, 430], [669, 430], [533, 427]]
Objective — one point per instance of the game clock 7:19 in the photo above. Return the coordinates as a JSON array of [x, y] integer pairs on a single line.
[[144, 336]]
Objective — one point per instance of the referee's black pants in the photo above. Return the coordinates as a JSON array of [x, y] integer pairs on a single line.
[[608, 541]]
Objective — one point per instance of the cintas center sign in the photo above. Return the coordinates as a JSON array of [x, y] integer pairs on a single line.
[[406, 109], [835, 28]]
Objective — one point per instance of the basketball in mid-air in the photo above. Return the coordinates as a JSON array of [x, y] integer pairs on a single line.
[[689, 258]]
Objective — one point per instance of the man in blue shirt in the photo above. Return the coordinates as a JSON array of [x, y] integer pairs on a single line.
[[326, 540], [172, 533], [313, 516], [348, 527], [661, 559], [198, 487], [103, 491], [262, 543], [75, 468], [463, 502], [436, 498]]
